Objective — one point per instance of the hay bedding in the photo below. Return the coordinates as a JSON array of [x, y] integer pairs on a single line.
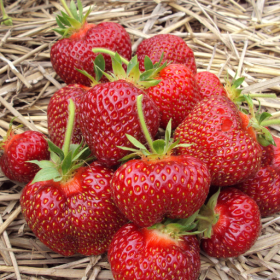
[[227, 36]]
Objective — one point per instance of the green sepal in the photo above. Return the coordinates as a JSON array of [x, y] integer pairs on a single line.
[[63, 21], [73, 10], [263, 116], [80, 8], [45, 174], [118, 70], [55, 158], [100, 62], [43, 163], [148, 64], [132, 63], [159, 146], [129, 156], [127, 149], [135, 142], [55, 149], [66, 163]]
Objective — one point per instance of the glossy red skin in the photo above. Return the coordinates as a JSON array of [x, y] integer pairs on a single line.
[[238, 227], [146, 191], [175, 51], [264, 187], [76, 51], [77, 217], [141, 254], [58, 113], [19, 148], [108, 112], [176, 94], [220, 140], [209, 84]]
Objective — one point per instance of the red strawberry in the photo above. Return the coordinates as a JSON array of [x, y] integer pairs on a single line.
[[175, 51], [233, 224], [20, 148], [264, 187], [209, 84], [58, 114], [69, 206], [75, 51], [159, 184], [176, 94], [220, 140], [147, 254]]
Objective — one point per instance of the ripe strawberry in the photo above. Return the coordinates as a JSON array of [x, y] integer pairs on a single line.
[[69, 206], [209, 84], [20, 148], [159, 184], [176, 94], [175, 51], [232, 222], [75, 51], [264, 187], [146, 254], [220, 140], [58, 114]]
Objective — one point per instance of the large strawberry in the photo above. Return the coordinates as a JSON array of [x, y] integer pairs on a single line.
[[175, 50], [220, 140], [153, 253], [58, 114], [69, 206], [18, 149], [159, 184], [264, 187], [74, 51], [231, 223], [108, 112]]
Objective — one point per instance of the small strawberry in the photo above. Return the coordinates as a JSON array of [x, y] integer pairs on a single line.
[[108, 112], [209, 85], [74, 51], [220, 140], [264, 187], [175, 51], [159, 184], [69, 206], [232, 224], [153, 253], [58, 114], [18, 150]]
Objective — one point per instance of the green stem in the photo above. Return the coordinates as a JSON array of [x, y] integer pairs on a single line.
[[203, 218], [69, 129], [260, 95], [6, 19], [270, 122], [143, 124], [66, 8], [102, 50]]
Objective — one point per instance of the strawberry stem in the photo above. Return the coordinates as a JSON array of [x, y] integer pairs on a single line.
[[143, 124], [102, 50], [66, 8], [69, 129], [260, 95], [270, 122]]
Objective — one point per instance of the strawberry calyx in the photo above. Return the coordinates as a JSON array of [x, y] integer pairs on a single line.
[[207, 217], [6, 20], [132, 74], [71, 21], [159, 149], [64, 162]]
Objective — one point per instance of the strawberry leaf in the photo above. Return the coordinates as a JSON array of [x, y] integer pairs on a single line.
[[55, 149], [100, 62], [43, 163], [73, 10], [263, 117], [46, 174], [135, 142], [159, 146], [66, 164], [148, 64], [132, 63]]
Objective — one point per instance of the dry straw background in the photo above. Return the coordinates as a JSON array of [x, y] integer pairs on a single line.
[[226, 36]]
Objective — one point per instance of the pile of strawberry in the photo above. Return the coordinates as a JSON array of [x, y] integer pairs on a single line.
[[108, 180]]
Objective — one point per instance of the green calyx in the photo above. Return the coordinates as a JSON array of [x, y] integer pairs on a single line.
[[259, 121], [207, 217], [64, 161], [159, 148], [175, 228], [6, 20], [9, 134], [133, 74], [72, 20]]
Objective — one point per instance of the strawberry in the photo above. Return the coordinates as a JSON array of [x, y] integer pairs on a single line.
[[69, 206], [108, 112], [159, 184], [220, 140], [74, 51], [264, 187], [153, 253], [232, 224], [175, 51], [20, 148], [209, 84], [176, 94], [58, 114]]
